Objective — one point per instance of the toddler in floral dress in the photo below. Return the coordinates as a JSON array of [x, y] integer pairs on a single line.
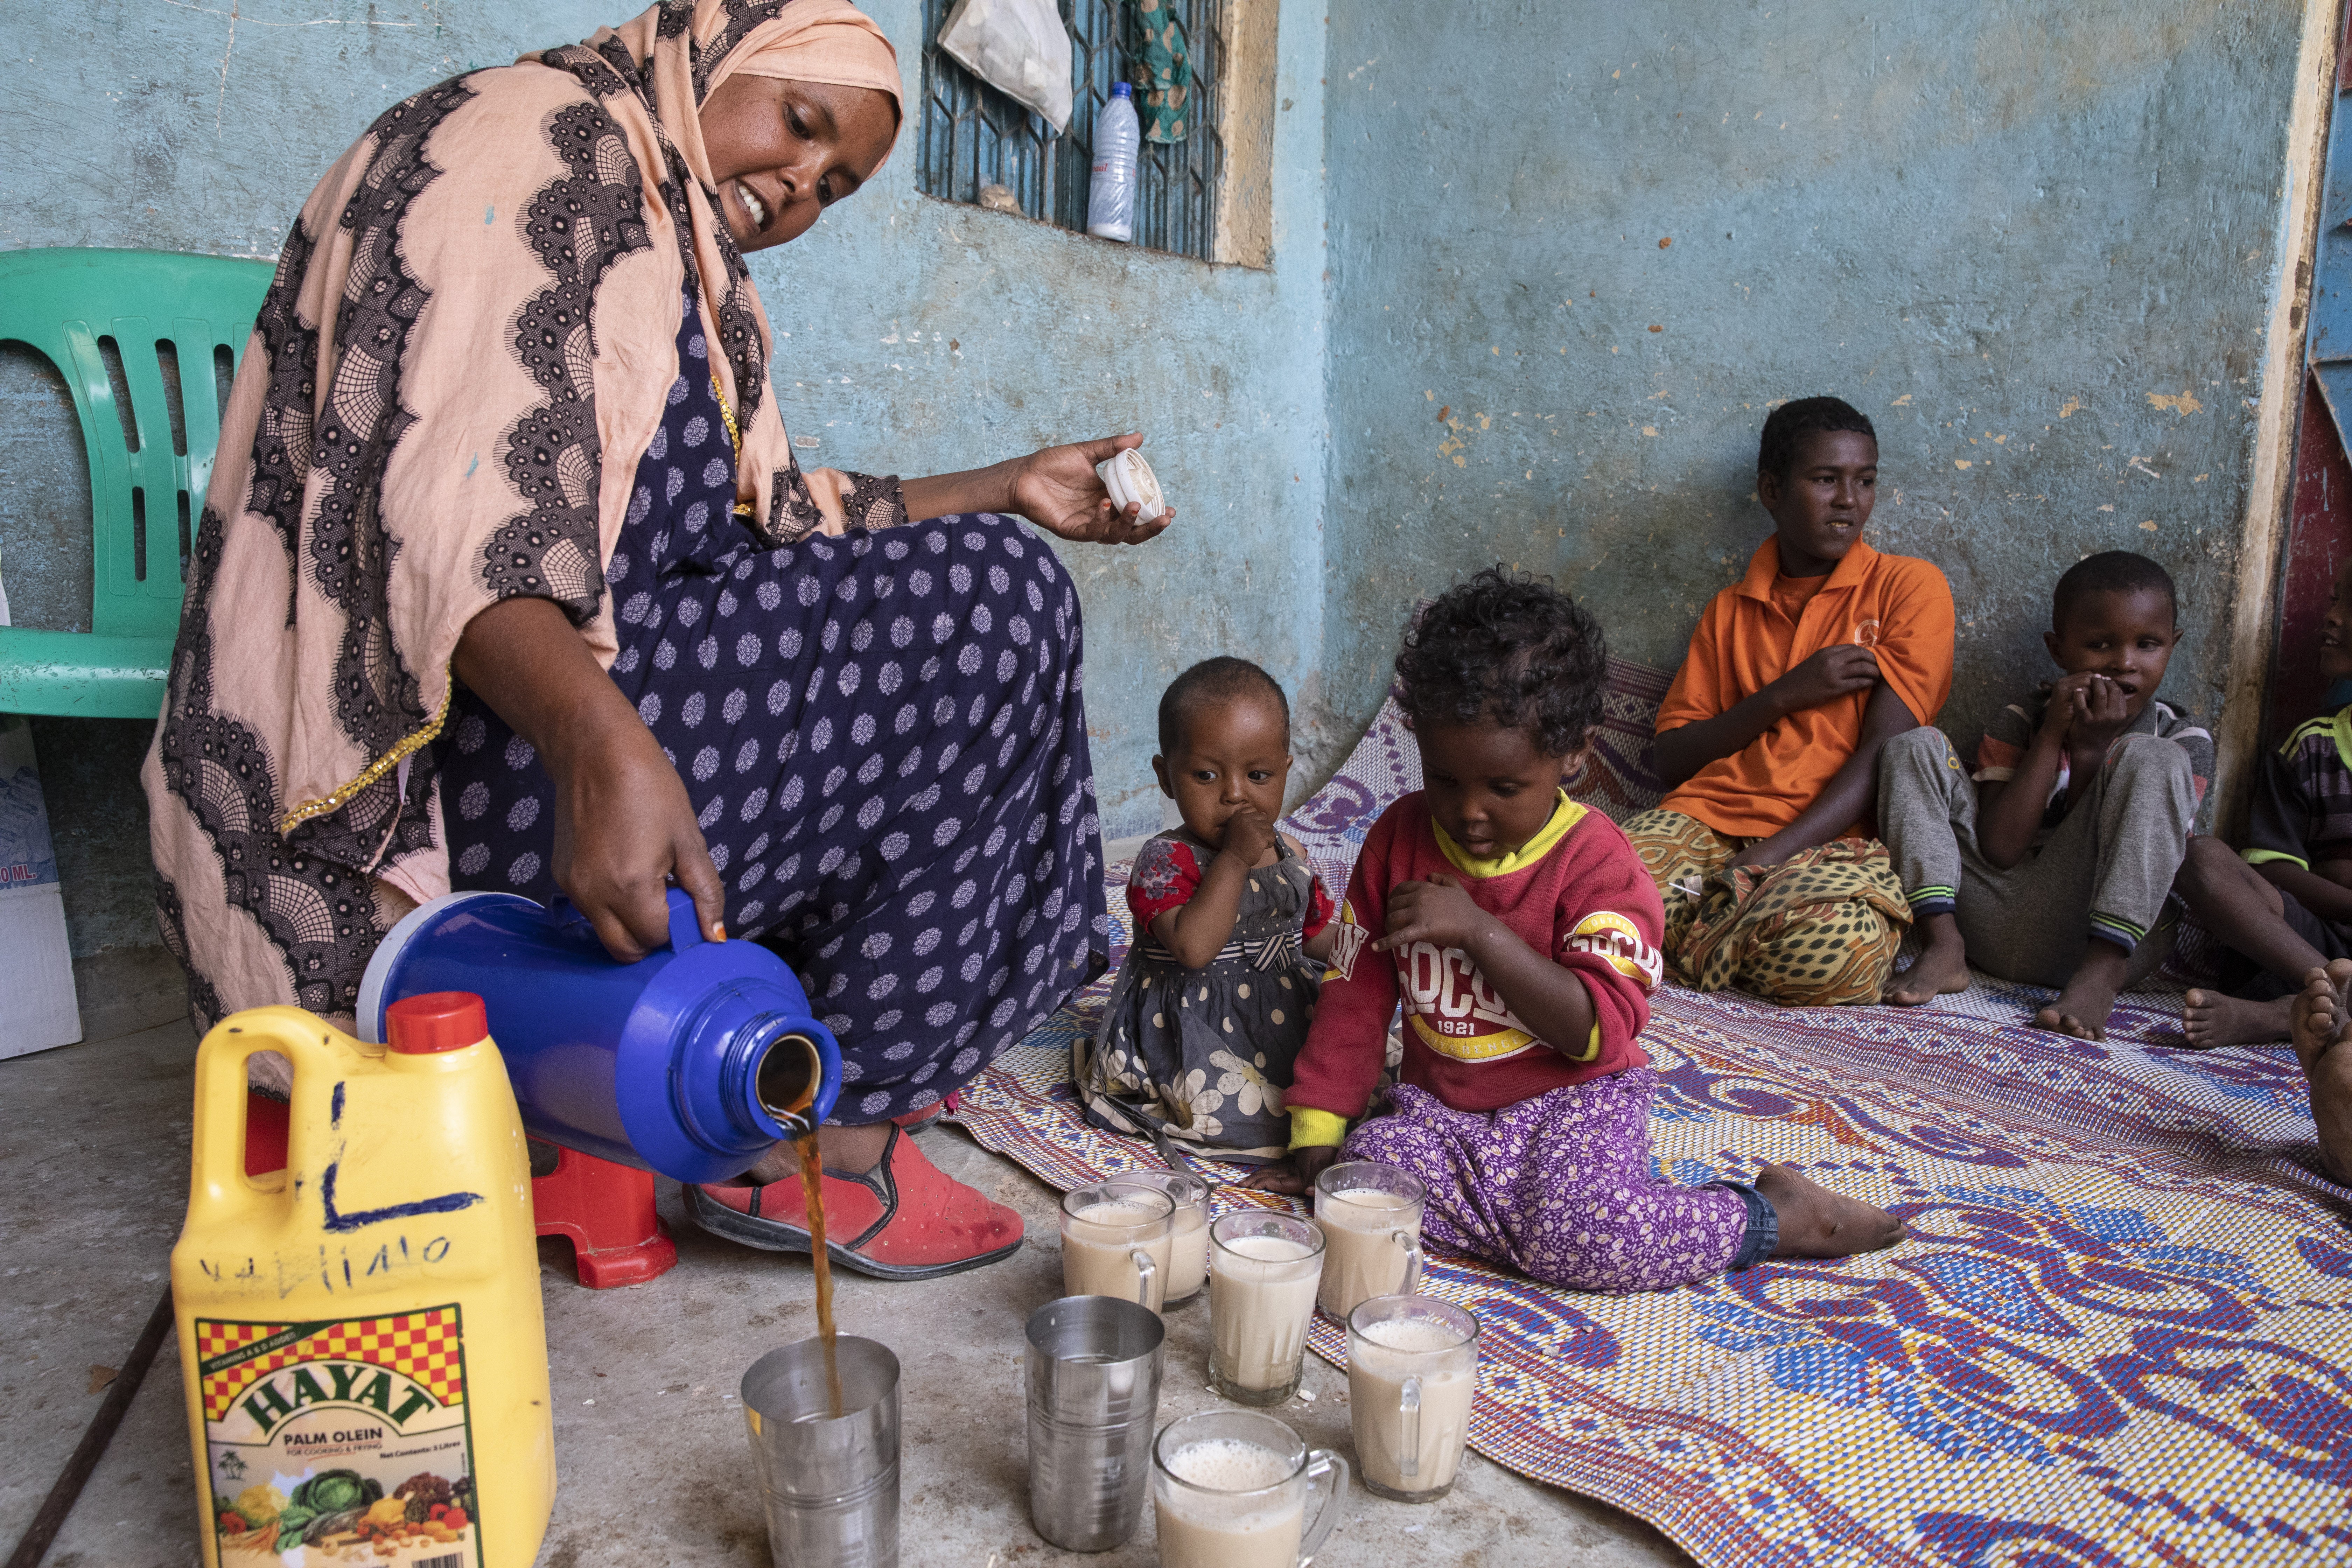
[[1231, 927]]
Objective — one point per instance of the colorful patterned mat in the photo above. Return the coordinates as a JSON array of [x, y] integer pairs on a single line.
[[2117, 1334]]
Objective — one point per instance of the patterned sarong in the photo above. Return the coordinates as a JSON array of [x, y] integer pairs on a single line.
[[1821, 929]]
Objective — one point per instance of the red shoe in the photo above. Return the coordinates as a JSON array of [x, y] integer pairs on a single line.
[[916, 1120], [907, 1220]]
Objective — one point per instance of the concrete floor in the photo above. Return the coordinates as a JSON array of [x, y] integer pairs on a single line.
[[649, 1436]]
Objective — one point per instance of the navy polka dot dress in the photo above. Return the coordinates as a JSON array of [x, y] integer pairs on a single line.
[[884, 738]]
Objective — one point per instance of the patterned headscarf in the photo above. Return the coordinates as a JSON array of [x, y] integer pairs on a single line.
[[694, 48], [464, 356]]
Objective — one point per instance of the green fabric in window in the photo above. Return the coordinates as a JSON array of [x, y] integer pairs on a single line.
[[1163, 70]]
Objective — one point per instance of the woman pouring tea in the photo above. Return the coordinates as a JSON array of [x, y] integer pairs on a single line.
[[508, 578]]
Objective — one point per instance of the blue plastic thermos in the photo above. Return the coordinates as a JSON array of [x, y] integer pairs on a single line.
[[691, 1062]]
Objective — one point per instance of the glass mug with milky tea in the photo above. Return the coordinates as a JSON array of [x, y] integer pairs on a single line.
[[1188, 1254], [1117, 1237], [1264, 1269], [1229, 1489], [1369, 1215], [1412, 1374]]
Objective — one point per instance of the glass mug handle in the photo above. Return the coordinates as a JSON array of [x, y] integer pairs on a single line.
[[1409, 1434], [1325, 1463], [1412, 1286], [1144, 1271]]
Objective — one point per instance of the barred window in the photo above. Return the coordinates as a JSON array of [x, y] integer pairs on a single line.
[[974, 136]]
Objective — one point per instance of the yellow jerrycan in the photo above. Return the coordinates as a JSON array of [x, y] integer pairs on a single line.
[[360, 1334]]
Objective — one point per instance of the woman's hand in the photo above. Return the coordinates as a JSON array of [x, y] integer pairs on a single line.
[[623, 830], [1055, 488], [1058, 490], [624, 826]]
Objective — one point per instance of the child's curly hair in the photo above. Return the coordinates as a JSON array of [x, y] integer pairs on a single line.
[[1510, 649]]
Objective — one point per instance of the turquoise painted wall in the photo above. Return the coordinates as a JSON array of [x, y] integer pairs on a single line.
[[913, 336], [2034, 240]]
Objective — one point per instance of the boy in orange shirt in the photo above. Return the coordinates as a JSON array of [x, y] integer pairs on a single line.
[[1768, 738]]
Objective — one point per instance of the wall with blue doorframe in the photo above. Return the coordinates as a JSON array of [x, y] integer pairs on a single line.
[[913, 336], [1579, 248]]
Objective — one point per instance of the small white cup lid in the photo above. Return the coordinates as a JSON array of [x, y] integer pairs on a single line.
[[1130, 481]]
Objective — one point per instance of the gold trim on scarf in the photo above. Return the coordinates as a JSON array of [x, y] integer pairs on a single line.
[[734, 433], [400, 751], [726, 415]]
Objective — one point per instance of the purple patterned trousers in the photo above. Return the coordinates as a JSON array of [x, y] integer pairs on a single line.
[[1560, 1187]]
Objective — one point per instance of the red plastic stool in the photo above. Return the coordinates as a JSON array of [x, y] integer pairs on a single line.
[[266, 1121], [606, 1211]]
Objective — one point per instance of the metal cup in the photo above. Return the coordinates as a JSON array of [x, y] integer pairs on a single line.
[[830, 1483], [1092, 1365]]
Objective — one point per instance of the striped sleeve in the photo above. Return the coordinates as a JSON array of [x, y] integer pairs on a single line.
[[2280, 818], [2004, 743], [2195, 740]]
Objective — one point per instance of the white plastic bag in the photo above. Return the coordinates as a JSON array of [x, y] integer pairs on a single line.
[[1018, 45]]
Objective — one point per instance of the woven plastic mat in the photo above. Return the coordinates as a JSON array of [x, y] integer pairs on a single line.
[[2117, 1331]]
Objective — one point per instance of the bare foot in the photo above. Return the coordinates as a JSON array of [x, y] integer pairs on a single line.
[[2210, 1019], [1941, 970], [1817, 1223], [2083, 1007], [2322, 1033]]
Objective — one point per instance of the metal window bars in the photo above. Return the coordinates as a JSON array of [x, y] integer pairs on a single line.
[[973, 135]]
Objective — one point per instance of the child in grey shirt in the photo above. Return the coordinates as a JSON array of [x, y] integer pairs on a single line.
[[2053, 865]]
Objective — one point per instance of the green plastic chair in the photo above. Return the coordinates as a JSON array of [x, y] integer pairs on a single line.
[[104, 318]]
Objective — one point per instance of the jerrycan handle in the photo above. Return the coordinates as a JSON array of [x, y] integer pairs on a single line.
[[684, 929], [218, 1187]]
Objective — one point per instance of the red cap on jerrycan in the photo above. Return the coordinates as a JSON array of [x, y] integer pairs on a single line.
[[436, 1021]]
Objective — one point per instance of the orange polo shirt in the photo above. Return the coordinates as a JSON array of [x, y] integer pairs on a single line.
[[1764, 625]]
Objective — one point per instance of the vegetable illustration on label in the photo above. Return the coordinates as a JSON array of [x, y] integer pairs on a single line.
[[349, 1438]]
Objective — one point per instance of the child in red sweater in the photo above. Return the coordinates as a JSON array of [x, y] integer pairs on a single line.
[[1521, 932]]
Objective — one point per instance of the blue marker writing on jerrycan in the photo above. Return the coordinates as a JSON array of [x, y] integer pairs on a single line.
[[691, 1062]]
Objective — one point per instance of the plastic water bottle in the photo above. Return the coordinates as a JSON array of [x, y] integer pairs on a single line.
[[1118, 136]]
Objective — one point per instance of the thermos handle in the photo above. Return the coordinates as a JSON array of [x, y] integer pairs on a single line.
[[684, 929], [218, 1187]]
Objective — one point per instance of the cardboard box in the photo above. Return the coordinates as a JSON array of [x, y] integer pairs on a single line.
[[37, 986]]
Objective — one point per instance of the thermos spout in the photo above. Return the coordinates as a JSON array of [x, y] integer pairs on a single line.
[[791, 1071]]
